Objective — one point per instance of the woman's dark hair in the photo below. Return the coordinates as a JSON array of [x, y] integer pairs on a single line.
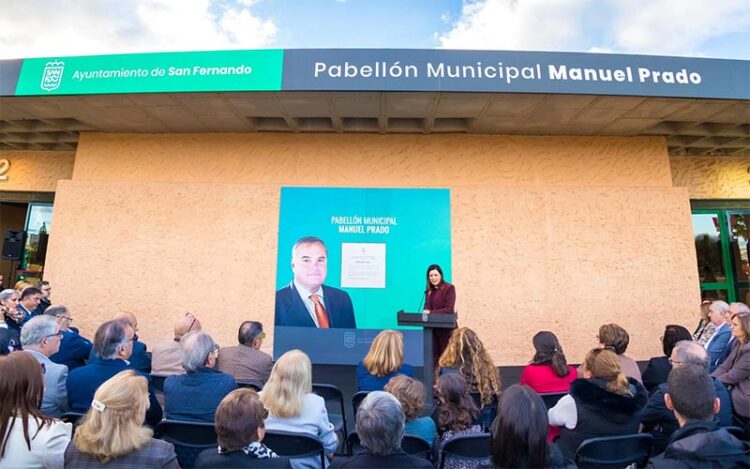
[[442, 277], [21, 391], [456, 408], [673, 334], [519, 433], [549, 352], [238, 418]]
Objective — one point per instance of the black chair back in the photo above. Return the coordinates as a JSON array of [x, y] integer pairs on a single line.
[[256, 385], [158, 381], [736, 432], [294, 445], [334, 398], [615, 451], [72, 417], [357, 399], [550, 398], [469, 447], [411, 444], [188, 438], [416, 446]]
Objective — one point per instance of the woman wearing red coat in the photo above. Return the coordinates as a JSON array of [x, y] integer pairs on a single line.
[[440, 298]]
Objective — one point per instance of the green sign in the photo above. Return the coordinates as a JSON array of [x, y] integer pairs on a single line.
[[256, 70]]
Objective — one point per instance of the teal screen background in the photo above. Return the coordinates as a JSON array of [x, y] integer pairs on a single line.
[[421, 237]]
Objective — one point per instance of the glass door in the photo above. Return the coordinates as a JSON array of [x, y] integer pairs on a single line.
[[711, 244], [739, 248]]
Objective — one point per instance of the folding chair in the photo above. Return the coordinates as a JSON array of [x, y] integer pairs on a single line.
[[615, 451], [188, 438]]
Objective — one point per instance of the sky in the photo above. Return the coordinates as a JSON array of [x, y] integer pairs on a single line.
[[696, 28]]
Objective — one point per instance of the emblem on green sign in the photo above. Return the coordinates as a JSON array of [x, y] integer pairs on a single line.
[[52, 76]]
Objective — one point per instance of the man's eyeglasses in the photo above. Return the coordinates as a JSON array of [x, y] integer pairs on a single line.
[[192, 323], [216, 348], [66, 317], [56, 334], [674, 362]]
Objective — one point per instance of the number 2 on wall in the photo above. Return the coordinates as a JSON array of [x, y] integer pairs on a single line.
[[4, 168]]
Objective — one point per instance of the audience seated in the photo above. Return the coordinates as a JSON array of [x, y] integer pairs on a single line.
[[10, 326], [74, 348], [165, 356], [705, 328], [549, 370], [717, 313], [699, 442], [735, 371], [21, 285], [466, 355], [139, 360], [28, 438], [112, 432], [240, 430], [384, 361], [245, 361], [658, 368], [292, 406], [28, 302], [113, 345], [658, 419], [604, 403], [410, 393], [196, 394], [456, 413], [41, 337], [617, 339], [519, 433], [380, 426], [45, 301]]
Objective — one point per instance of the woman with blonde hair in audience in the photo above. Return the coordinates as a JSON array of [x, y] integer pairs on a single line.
[[112, 432], [410, 393], [734, 372], [29, 438], [240, 429], [384, 361], [21, 285], [466, 355], [603, 403], [10, 321], [456, 414], [705, 328], [292, 407]]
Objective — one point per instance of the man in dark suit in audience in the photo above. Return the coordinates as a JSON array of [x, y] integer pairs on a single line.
[[658, 419], [139, 360], [699, 442], [306, 302], [74, 348], [245, 361], [113, 346], [45, 302], [30, 298]]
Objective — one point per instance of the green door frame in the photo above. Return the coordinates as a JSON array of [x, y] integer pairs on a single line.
[[722, 208]]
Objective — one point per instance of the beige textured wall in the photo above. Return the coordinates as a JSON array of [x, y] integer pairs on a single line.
[[36, 171], [712, 177], [563, 233]]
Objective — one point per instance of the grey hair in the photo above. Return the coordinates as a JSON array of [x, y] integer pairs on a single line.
[[36, 329], [690, 353], [721, 307], [194, 350], [308, 240], [739, 307], [7, 293], [380, 423], [56, 310], [108, 339]]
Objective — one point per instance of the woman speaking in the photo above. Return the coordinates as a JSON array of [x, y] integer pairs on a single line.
[[440, 298]]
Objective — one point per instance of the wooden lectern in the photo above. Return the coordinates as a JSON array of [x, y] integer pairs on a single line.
[[427, 322]]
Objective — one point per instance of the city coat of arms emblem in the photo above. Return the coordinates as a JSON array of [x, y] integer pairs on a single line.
[[52, 76]]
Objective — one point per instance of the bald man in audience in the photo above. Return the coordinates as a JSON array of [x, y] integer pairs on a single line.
[[139, 359], [165, 356]]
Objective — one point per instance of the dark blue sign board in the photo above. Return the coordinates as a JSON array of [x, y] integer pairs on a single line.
[[514, 72]]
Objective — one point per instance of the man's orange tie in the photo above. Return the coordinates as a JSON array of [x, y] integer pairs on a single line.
[[320, 312]]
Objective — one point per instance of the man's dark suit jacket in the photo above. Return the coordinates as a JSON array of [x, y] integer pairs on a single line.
[[84, 381], [74, 350], [291, 311]]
